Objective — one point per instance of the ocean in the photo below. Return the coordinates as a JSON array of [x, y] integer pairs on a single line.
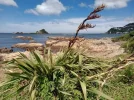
[[8, 39]]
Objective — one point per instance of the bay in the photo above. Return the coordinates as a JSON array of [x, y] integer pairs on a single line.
[[8, 39]]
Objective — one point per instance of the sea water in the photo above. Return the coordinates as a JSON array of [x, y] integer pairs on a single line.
[[8, 39]]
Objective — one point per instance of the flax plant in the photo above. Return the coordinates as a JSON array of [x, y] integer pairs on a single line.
[[56, 77], [67, 75]]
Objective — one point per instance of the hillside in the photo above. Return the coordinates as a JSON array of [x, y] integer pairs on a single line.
[[121, 30]]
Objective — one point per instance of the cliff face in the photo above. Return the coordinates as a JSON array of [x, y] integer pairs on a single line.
[[121, 30]]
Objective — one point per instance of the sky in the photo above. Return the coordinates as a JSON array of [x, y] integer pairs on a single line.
[[62, 16]]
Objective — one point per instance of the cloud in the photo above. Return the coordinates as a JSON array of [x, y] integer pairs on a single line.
[[32, 11], [8, 3], [112, 4], [91, 6], [69, 7], [83, 4], [65, 25], [49, 7], [130, 19]]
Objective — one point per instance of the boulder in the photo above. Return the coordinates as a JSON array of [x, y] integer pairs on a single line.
[[32, 41], [24, 37], [28, 46], [1, 58], [6, 50]]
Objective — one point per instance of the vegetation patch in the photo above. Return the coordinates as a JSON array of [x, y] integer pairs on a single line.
[[62, 77], [129, 41]]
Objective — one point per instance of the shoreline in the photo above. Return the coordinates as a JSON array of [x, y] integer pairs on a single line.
[[100, 48], [7, 40]]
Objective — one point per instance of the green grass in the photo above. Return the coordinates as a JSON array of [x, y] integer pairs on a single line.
[[120, 91], [121, 86]]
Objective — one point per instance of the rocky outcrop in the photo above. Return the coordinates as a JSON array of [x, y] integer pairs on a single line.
[[28, 46], [101, 48], [42, 31], [1, 58], [24, 37], [6, 50], [10, 56], [19, 33], [121, 30], [32, 41]]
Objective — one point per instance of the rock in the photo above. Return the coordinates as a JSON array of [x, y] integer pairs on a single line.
[[6, 50], [101, 48], [19, 33], [32, 41], [1, 58], [28, 46], [40, 48], [10, 56], [24, 37]]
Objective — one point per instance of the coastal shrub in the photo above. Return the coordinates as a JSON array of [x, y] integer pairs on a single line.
[[125, 37], [129, 41], [56, 77], [129, 46]]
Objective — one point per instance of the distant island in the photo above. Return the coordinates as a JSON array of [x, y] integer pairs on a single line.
[[42, 31], [121, 30], [19, 33]]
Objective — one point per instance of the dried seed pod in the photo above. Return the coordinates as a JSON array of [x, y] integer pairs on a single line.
[[99, 8], [94, 16], [81, 27], [90, 26]]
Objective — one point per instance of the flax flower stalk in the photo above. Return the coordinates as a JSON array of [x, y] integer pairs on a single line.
[[92, 15]]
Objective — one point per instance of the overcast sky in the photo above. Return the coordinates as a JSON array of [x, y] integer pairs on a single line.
[[62, 16]]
